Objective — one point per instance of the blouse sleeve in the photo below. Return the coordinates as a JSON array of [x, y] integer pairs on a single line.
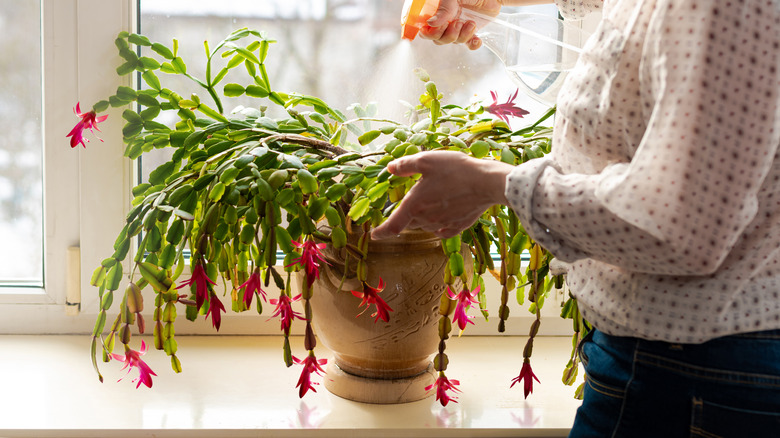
[[710, 80], [577, 9]]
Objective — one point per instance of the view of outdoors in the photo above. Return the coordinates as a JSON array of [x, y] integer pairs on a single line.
[[21, 184]]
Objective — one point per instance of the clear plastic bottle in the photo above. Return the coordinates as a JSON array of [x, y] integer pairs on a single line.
[[537, 50]]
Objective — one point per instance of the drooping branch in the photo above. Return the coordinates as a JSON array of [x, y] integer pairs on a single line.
[[313, 143]]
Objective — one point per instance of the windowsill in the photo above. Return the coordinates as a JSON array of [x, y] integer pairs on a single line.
[[51, 390]]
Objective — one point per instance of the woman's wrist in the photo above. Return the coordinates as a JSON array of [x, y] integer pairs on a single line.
[[496, 173]]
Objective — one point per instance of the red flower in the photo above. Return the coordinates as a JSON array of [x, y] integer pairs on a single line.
[[465, 299], [503, 110], [132, 359], [526, 376], [310, 365], [88, 121], [215, 306], [443, 385], [310, 259], [285, 312], [201, 280], [370, 296], [251, 286]]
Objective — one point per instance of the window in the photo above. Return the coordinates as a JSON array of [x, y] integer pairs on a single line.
[[81, 191], [84, 193], [21, 182]]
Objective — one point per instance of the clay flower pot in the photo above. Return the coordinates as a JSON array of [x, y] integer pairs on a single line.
[[377, 361]]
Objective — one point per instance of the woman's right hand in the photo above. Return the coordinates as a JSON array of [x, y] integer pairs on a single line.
[[446, 26]]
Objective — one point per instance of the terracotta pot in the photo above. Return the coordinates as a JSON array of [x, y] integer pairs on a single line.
[[378, 361]]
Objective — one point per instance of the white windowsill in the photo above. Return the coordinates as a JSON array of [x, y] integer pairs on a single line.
[[238, 386]]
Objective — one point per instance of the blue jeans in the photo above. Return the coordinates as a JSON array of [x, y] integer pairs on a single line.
[[727, 387]]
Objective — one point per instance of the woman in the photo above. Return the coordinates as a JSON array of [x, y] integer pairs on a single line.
[[662, 197]]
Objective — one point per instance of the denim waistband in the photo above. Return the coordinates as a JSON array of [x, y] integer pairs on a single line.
[[626, 340], [755, 352]]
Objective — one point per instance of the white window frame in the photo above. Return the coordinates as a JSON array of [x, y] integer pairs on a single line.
[[86, 191]]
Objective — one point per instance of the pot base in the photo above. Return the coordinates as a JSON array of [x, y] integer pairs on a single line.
[[379, 391]]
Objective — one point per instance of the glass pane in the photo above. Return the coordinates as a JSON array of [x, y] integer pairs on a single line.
[[21, 182], [343, 51]]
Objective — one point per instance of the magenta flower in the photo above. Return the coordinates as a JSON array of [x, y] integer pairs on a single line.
[[310, 259], [251, 286], [132, 359], [443, 384], [310, 365], [526, 376], [465, 299], [370, 296], [215, 307], [201, 281], [89, 121], [504, 110], [285, 311]]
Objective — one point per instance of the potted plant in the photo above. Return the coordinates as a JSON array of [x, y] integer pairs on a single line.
[[254, 200]]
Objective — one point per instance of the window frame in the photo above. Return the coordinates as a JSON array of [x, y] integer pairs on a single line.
[[86, 191]]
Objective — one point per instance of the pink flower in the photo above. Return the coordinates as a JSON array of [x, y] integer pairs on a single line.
[[132, 359], [310, 259], [443, 385], [215, 307], [285, 311], [310, 365], [465, 299], [504, 110], [251, 286], [370, 296], [89, 121], [526, 376], [201, 280]]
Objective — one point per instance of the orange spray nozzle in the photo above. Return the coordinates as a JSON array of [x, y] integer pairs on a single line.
[[414, 16]]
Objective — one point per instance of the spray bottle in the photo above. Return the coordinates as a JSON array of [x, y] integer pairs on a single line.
[[537, 50]]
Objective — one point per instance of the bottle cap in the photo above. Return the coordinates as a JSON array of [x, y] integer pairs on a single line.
[[414, 16]]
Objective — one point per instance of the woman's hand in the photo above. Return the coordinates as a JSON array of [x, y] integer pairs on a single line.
[[451, 195], [446, 26]]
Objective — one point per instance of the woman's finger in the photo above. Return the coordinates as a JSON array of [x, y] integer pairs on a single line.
[[405, 166], [451, 33], [434, 33], [466, 32], [394, 224]]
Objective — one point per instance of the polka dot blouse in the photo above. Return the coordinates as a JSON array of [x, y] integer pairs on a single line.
[[662, 193]]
